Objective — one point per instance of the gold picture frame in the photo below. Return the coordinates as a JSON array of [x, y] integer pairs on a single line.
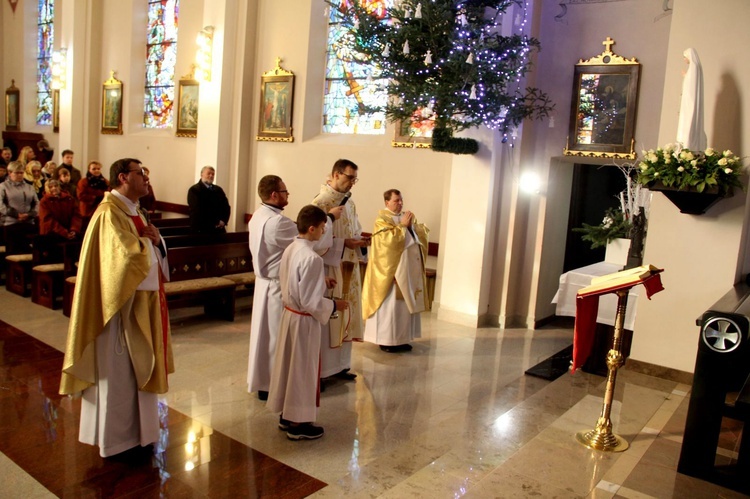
[[409, 135], [56, 110], [276, 105], [187, 107], [12, 107], [603, 106], [112, 105]]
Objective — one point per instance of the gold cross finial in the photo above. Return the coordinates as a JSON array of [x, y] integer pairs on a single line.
[[608, 44], [278, 63]]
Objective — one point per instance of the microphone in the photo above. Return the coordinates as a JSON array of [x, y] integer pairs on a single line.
[[345, 198]]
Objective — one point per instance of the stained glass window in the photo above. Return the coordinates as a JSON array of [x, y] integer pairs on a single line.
[[161, 56], [45, 39], [352, 84]]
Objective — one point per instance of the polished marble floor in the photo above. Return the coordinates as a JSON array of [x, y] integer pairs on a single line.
[[456, 417]]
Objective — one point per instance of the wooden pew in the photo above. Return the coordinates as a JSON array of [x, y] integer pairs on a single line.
[[207, 275]]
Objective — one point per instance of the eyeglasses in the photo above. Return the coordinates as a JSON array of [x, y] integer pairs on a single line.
[[139, 171], [352, 178], [283, 191]]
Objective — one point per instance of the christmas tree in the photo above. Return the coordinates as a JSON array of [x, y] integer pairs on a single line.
[[446, 60]]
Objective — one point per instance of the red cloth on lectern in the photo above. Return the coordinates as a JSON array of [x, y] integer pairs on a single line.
[[587, 306]]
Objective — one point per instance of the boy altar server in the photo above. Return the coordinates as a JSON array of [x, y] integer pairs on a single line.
[[295, 376]]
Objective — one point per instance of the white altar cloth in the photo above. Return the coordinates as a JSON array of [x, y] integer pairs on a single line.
[[571, 282]]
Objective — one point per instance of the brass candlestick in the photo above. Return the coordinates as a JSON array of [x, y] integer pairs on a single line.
[[601, 437]]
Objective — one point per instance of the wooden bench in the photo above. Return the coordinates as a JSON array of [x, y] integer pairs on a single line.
[[207, 275], [18, 273], [52, 263]]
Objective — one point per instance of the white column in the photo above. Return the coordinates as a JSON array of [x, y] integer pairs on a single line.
[[224, 130]]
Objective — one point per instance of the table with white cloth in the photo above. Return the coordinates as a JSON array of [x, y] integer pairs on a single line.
[[565, 298]]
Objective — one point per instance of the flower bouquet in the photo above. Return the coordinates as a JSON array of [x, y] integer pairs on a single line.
[[683, 169]]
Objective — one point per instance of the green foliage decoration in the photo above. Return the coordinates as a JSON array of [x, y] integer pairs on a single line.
[[451, 63]]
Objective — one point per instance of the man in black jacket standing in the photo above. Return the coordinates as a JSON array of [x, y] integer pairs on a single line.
[[209, 206]]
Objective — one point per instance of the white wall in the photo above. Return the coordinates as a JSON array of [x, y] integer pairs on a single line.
[[702, 255]]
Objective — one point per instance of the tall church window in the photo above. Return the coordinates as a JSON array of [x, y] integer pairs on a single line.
[[45, 40], [352, 84], [161, 56]]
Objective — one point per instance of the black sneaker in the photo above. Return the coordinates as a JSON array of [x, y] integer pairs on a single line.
[[262, 395], [304, 431], [283, 423]]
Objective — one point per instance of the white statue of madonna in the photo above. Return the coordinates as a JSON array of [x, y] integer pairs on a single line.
[[690, 130]]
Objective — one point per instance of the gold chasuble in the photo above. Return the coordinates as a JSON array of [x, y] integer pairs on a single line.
[[388, 242], [114, 261]]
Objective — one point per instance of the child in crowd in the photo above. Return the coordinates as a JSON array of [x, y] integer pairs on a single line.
[[295, 378], [63, 175]]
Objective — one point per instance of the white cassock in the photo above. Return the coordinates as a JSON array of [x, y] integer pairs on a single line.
[[295, 373], [270, 234], [339, 358], [393, 324], [115, 415]]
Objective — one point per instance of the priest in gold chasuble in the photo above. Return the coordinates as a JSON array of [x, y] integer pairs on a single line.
[[395, 286], [118, 351]]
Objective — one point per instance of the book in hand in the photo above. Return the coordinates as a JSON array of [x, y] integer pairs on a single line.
[[619, 280]]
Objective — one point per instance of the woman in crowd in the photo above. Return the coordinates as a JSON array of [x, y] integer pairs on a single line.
[[58, 213], [33, 177], [63, 175], [27, 154], [91, 192], [18, 209], [48, 171]]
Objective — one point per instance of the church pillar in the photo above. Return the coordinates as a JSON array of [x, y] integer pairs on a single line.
[[225, 122], [77, 112], [470, 215]]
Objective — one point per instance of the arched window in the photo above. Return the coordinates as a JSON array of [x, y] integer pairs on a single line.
[[45, 40], [161, 56], [352, 84]]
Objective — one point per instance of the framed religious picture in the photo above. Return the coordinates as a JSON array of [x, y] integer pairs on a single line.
[[56, 110], [603, 106], [112, 105], [12, 107], [276, 99], [416, 133], [187, 108]]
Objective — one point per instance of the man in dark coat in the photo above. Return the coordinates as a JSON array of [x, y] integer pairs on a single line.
[[209, 206]]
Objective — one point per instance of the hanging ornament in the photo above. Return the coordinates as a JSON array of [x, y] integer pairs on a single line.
[[470, 59], [418, 12], [428, 58], [473, 93], [355, 25], [406, 47], [464, 21], [407, 14], [387, 50]]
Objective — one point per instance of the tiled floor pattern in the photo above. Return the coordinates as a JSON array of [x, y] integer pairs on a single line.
[[456, 417]]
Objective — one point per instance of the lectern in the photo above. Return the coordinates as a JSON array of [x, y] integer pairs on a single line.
[[587, 304]]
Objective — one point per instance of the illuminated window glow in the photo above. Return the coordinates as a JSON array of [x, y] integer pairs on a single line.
[[352, 84], [161, 56], [45, 40]]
